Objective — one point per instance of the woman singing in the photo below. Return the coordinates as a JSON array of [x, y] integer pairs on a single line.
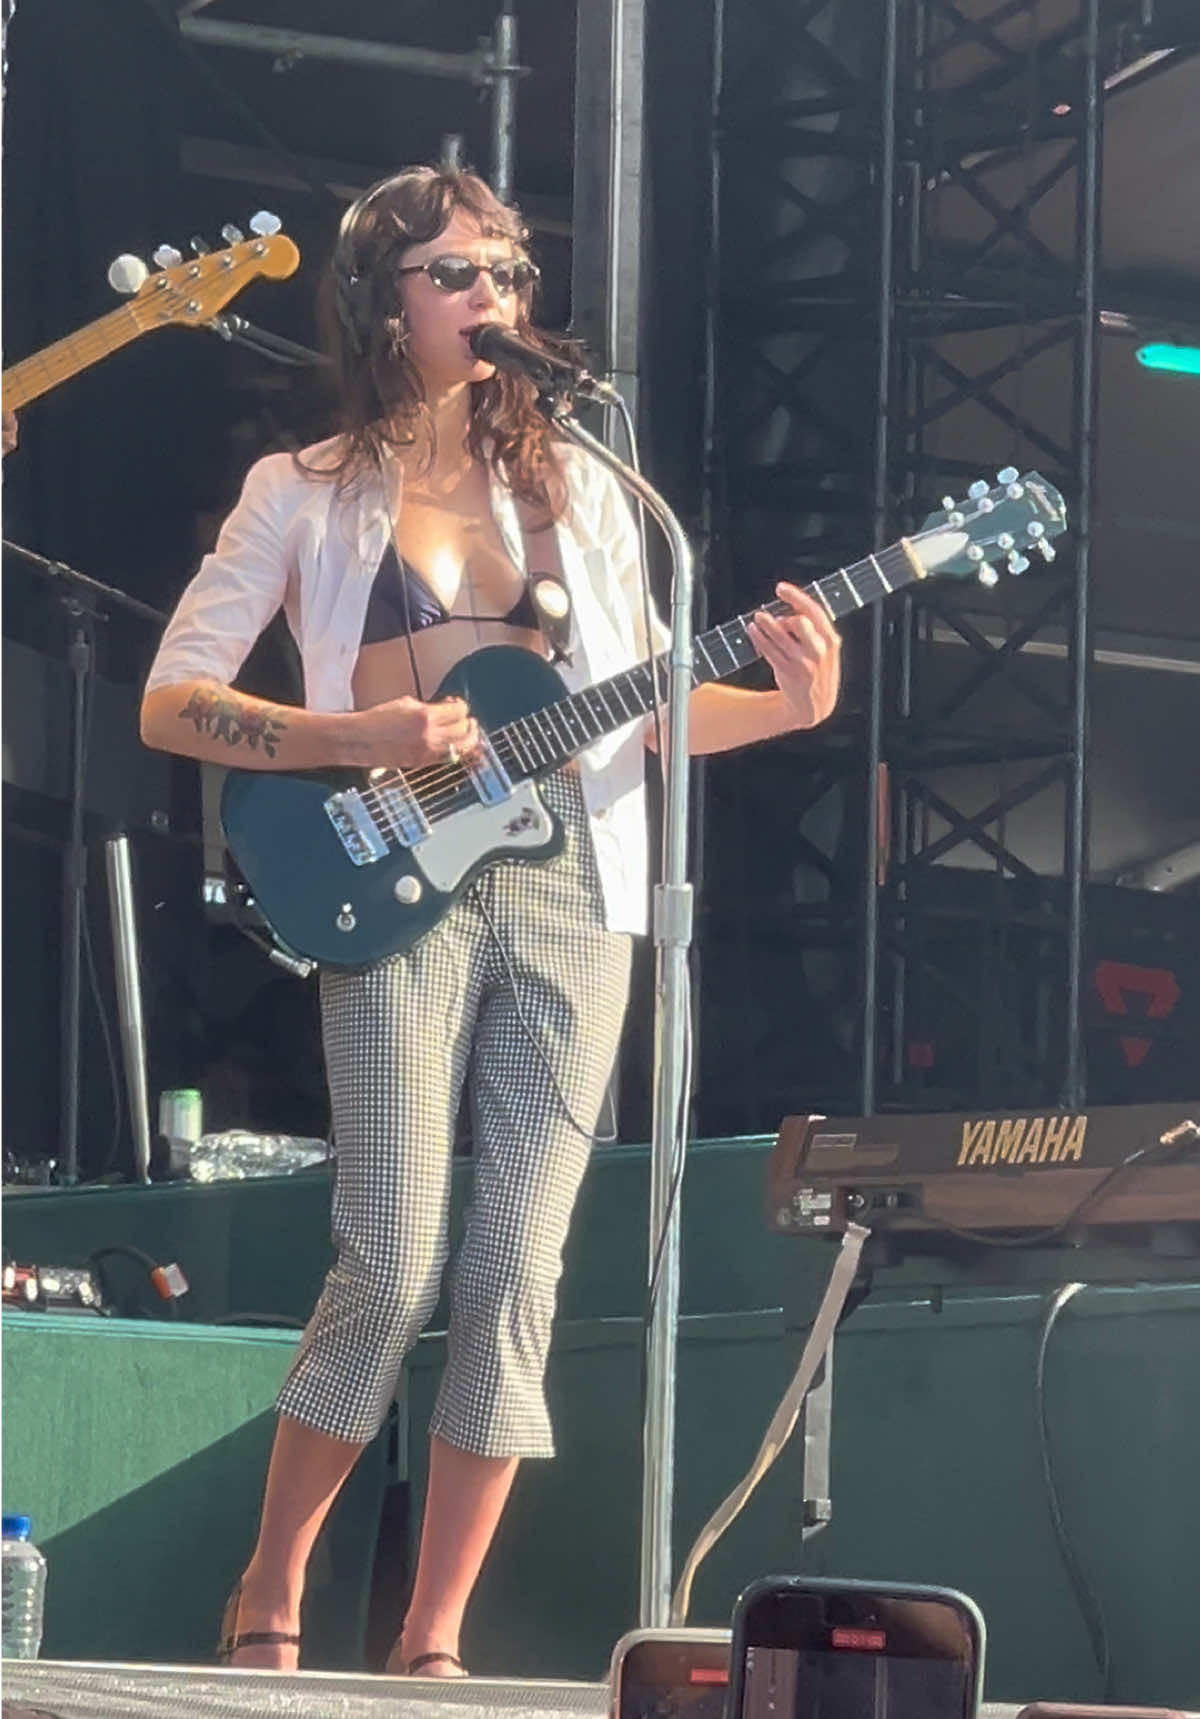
[[415, 537]]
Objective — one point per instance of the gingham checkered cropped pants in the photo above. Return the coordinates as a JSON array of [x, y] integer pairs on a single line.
[[400, 1037]]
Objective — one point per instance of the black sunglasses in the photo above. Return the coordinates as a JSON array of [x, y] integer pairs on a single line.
[[459, 274]]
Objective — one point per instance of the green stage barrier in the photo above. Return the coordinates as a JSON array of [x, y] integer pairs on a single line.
[[935, 1477], [139, 1450]]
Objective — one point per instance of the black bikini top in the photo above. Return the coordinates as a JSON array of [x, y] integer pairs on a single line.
[[401, 601]]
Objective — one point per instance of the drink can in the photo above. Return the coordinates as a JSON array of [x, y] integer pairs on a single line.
[[179, 1114]]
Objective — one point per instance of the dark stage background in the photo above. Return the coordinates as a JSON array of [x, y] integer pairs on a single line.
[[120, 134]]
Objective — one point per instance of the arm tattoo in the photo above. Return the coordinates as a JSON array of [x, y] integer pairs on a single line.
[[228, 719]]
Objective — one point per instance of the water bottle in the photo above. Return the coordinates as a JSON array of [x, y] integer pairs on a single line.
[[23, 1590]]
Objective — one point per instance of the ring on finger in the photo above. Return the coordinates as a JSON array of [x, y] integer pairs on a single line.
[[452, 753]]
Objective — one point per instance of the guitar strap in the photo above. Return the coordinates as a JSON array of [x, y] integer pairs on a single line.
[[547, 588]]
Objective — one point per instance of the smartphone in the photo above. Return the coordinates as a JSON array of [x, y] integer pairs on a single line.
[[670, 1674], [814, 1648]]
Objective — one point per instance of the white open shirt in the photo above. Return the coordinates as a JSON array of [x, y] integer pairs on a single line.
[[298, 542]]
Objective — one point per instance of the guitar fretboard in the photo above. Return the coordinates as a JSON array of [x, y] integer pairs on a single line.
[[532, 745], [65, 358]]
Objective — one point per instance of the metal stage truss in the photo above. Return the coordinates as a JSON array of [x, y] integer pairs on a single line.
[[907, 258]]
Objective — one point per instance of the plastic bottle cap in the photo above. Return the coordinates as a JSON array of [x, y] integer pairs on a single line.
[[17, 1527]]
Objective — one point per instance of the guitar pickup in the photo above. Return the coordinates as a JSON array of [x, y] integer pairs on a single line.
[[489, 778], [356, 828]]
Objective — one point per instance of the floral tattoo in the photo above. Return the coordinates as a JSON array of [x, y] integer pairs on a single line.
[[228, 719]]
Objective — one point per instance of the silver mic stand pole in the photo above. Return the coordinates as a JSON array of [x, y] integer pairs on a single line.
[[672, 938]]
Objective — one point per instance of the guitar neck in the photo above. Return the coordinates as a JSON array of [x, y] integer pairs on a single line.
[[532, 745], [67, 357]]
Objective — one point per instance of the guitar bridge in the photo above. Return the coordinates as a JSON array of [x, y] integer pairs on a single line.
[[357, 830]]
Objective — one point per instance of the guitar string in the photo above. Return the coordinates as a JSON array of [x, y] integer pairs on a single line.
[[431, 778], [437, 788]]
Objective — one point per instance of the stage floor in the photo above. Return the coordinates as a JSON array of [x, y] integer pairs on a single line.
[[67, 1689]]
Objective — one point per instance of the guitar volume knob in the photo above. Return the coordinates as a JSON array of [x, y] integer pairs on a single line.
[[346, 919], [407, 890]]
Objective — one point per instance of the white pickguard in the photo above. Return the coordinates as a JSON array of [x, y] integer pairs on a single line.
[[451, 848]]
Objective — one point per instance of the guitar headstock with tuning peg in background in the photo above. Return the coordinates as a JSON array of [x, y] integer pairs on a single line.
[[187, 292], [1006, 523], [193, 290]]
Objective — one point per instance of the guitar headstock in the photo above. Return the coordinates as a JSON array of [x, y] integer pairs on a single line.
[[1000, 523], [193, 291]]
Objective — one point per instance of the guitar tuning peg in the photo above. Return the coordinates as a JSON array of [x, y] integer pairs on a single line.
[[977, 489], [1035, 529], [974, 552], [265, 224], [988, 576], [166, 256], [1009, 475], [199, 246], [126, 273], [948, 504], [1045, 549], [1005, 540], [1017, 563], [232, 235]]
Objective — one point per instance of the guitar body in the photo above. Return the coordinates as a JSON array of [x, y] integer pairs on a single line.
[[319, 902], [349, 871]]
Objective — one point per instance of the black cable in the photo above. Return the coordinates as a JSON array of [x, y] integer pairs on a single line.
[[1085, 1595], [1158, 1152], [151, 1266], [260, 1319], [527, 1028]]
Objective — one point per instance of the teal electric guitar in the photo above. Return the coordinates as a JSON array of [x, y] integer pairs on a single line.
[[349, 868]]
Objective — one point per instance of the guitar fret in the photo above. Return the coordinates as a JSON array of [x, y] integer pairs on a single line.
[[818, 590], [850, 585], [879, 573], [548, 719], [615, 683], [532, 741], [719, 633], [519, 753], [704, 652], [571, 722]]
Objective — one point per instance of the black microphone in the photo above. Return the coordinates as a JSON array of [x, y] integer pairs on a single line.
[[508, 350]]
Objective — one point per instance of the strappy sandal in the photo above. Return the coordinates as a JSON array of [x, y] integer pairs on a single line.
[[231, 1640], [414, 1665]]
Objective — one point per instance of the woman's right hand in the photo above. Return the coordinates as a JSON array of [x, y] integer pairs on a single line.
[[403, 732]]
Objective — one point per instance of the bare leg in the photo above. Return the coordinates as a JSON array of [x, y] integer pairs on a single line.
[[464, 1501], [306, 1472]]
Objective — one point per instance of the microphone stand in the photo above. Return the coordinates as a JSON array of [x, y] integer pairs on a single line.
[[672, 939], [79, 598]]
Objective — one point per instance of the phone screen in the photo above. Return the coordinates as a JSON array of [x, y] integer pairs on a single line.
[[863, 1655], [675, 1680]]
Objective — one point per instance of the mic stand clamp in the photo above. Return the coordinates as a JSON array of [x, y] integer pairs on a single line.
[[672, 939]]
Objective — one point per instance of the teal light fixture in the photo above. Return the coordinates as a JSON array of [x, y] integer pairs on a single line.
[[1184, 360]]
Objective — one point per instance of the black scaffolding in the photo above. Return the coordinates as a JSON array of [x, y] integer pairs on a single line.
[[907, 266]]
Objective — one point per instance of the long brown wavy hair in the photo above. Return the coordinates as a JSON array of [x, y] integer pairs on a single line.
[[381, 393]]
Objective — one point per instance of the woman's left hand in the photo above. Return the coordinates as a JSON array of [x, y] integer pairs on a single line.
[[805, 652]]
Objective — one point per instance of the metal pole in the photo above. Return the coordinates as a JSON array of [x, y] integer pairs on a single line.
[[129, 997], [505, 72], [80, 654], [1076, 857], [344, 50], [880, 534], [672, 937]]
